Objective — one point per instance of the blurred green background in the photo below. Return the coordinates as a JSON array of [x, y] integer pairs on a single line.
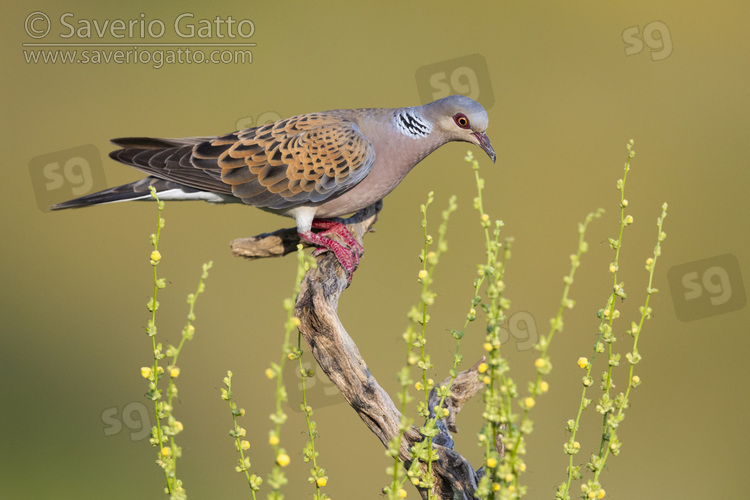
[[566, 84]]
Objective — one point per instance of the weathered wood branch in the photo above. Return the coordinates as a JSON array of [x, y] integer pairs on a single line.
[[340, 359]]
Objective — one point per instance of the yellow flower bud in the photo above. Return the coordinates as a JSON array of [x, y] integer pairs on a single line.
[[282, 459], [491, 462], [245, 444], [529, 402], [483, 367], [269, 373], [583, 362], [273, 440], [174, 372], [322, 481]]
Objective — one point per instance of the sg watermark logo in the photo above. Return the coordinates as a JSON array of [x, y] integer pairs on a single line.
[[707, 287], [466, 75], [522, 328], [655, 36], [262, 119], [134, 417], [66, 174]]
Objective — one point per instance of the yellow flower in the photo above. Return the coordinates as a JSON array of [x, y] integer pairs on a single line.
[[322, 481], [245, 444], [487, 346], [269, 373], [178, 426], [145, 372], [166, 452], [174, 372], [283, 459], [422, 274], [273, 440], [483, 367], [155, 256], [486, 380], [491, 462], [529, 402], [495, 486], [539, 363], [402, 493], [543, 386], [583, 362]]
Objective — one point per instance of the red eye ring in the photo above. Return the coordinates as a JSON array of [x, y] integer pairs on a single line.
[[461, 120]]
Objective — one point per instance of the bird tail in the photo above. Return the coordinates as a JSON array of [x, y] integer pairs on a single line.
[[138, 190], [162, 158]]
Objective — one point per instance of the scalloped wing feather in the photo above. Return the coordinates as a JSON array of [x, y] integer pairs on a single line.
[[300, 160]]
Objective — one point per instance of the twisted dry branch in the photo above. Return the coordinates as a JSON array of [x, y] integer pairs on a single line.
[[340, 359]]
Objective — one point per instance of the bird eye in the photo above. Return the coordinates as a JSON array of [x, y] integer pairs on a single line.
[[461, 120]]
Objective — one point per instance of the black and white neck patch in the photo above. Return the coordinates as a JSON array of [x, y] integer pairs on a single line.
[[411, 124]]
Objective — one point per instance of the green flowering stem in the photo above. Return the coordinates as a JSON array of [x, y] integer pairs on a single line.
[[416, 337], [238, 433], [317, 474], [154, 373], [276, 478], [166, 432], [633, 357], [609, 313], [500, 390]]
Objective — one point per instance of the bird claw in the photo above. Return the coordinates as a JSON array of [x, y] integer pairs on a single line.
[[347, 254]]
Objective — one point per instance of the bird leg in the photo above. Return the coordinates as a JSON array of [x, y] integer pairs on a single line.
[[348, 256], [339, 229]]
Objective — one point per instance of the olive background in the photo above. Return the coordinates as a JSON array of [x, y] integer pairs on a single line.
[[566, 86]]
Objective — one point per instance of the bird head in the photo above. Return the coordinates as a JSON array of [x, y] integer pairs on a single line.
[[460, 118]]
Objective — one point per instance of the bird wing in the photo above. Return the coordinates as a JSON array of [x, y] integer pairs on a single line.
[[300, 160]]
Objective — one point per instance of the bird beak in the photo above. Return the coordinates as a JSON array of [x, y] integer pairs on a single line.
[[484, 142]]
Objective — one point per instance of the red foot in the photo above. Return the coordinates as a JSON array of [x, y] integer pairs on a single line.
[[348, 256]]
